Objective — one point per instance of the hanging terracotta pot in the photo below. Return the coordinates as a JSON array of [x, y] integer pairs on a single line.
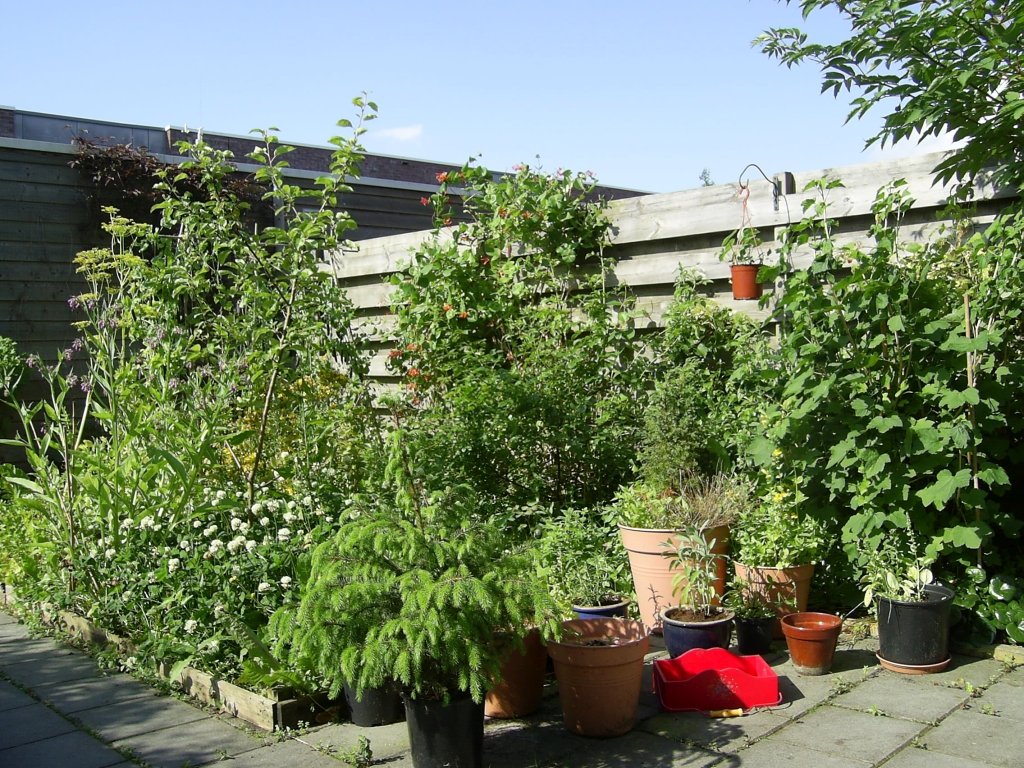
[[653, 572], [812, 639], [521, 688], [599, 664], [785, 588], [744, 281]]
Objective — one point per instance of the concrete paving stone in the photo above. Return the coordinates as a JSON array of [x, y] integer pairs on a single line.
[[13, 632], [1014, 678], [847, 733], [961, 670], [637, 750], [912, 757], [897, 696], [385, 740], [92, 692], [1006, 699], [776, 754], [6, 618], [12, 698], [130, 718], [29, 649], [76, 749], [52, 668], [514, 743], [27, 724], [292, 754], [719, 734], [974, 736], [195, 743]]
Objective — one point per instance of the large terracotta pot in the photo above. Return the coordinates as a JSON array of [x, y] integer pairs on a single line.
[[653, 572], [599, 684], [522, 680], [780, 586]]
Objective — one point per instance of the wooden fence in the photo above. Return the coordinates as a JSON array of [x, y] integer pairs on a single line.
[[655, 236]]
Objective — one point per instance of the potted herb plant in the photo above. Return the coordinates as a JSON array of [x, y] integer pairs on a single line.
[[419, 589], [745, 251], [775, 549], [649, 524], [587, 572], [913, 610], [698, 622], [755, 618]]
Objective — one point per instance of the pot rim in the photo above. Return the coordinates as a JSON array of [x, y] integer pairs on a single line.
[[832, 623], [947, 596], [773, 567], [626, 623], [674, 531], [727, 615], [606, 607]]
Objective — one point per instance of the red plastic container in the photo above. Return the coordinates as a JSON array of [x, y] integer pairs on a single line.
[[714, 678]]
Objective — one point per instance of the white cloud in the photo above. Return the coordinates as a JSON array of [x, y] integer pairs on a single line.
[[407, 133]]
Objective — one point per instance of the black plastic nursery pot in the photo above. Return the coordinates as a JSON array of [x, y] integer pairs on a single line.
[[754, 636], [915, 634], [379, 706], [445, 736], [683, 636]]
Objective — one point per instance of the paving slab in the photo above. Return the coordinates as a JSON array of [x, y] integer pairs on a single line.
[[637, 750], [53, 667], [12, 698], [385, 740], [848, 733], [896, 696], [32, 723], [77, 749], [514, 744], [12, 631], [974, 736], [1005, 699], [293, 754], [962, 670], [195, 743], [90, 693], [718, 734], [28, 649], [912, 757], [777, 754], [131, 718]]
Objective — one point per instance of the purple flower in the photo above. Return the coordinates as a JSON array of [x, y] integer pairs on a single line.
[[32, 361], [173, 383], [86, 385], [68, 354], [74, 302], [77, 345], [73, 380]]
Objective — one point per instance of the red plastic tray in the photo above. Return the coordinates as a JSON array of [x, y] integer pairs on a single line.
[[714, 679]]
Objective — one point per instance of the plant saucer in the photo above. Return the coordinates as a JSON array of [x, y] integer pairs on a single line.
[[914, 669]]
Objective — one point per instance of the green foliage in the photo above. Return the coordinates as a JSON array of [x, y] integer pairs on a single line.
[[517, 343], [895, 570], [580, 552], [694, 569], [747, 602], [694, 502], [415, 589], [773, 534], [953, 66], [182, 471]]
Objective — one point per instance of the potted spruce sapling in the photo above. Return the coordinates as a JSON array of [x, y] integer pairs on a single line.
[[420, 590], [912, 608], [698, 621]]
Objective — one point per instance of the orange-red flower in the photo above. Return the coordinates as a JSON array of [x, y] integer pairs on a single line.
[[442, 177]]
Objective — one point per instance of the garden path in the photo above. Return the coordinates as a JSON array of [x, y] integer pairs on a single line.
[[57, 710]]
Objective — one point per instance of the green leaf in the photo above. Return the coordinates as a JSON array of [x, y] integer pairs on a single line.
[[945, 485]]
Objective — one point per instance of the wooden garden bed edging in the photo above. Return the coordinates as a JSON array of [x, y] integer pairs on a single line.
[[283, 709]]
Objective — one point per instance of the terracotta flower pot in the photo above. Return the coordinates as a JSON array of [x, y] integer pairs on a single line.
[[744, 281], [812, 638], [785, 588], [653, 572], [521, 688], [600, 665]]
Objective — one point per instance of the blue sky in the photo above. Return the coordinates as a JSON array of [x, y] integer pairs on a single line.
[[645, 94]]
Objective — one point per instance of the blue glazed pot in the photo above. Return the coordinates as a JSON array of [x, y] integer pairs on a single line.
[[683, 636], [610, 611]]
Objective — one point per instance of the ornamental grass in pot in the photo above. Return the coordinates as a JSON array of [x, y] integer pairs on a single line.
[[419, 589], [774, 551], [913, 610], [650, 522], [698, 622]]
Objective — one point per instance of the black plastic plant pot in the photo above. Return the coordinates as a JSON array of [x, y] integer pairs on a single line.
[[915, 634], [445, 736], [683, 636], [754, 636], [379, 706]]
